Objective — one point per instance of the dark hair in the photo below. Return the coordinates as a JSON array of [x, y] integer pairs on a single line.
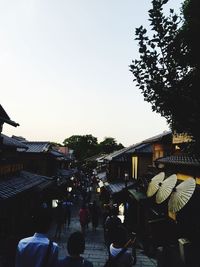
[[114, 211], [121, 236], [76, 243], [42, 221]]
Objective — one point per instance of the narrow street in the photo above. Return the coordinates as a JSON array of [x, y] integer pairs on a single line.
[[95, 250]]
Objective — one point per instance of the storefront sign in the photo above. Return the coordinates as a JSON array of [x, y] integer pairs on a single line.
[[181, 138]]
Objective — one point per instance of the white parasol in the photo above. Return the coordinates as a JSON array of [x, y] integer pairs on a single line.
[[181, 195], [155, 183], [166, 188]]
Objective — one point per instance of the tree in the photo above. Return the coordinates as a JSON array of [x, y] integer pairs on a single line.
[[109, 145], [166, 72], [187, 39], [84, 146]]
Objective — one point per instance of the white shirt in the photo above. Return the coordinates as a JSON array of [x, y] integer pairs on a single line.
[[31, 251], [114, 251]]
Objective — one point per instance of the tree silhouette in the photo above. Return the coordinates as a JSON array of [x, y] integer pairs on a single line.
[[167, 72]]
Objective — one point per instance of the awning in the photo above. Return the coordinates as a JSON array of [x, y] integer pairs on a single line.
[[137, 195], [116, 187], [45, 185], [65, 173], [102, 176]]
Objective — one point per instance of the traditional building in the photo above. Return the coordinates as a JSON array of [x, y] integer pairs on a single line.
[[21, 193], [186, 220]]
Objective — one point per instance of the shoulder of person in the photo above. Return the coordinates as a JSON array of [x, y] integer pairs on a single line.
[[26, 239]]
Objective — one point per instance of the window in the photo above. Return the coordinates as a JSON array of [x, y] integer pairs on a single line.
[[135, 167]]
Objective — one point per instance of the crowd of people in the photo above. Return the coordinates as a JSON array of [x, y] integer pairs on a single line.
[[39, 251]]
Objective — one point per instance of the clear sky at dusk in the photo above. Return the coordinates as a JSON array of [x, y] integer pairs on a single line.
[[64, 68]]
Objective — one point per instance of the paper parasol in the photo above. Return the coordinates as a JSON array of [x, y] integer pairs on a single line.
[[155, 183], [181, 195], [166, 188]]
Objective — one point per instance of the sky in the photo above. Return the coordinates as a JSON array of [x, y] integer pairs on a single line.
[[64, 68]]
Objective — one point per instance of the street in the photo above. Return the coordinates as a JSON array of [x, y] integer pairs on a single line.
[[95, 250]]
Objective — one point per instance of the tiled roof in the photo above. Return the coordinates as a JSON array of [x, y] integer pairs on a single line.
[[24, 181], [101, 158], [116, 187], [37, 147], [180, 160], [5, 118], [65, 173], [116, 154], [44, 184], [59, 155], [157, 137], [96, 157], [145, 145], [8, 141], [142, 148], [19, 138]]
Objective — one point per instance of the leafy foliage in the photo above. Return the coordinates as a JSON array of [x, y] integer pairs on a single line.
[[167, 72], [109, 144], [85, 146]]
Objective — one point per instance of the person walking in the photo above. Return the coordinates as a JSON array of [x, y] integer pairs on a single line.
[[67, 206], [60, 219], [75, 247], [95, 213], [117, 246], [38, 250], [111, 222], [84, 217]]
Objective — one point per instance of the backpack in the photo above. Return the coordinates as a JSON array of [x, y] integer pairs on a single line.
[[112, 261], [112, 222]]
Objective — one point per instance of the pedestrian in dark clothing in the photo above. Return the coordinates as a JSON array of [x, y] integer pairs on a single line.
[[119, 240], [89, 195], [105, 213], [94, 212], [84, 217], [75, 247], [60, 219], [84, 194], [111, 223], [67, 206]]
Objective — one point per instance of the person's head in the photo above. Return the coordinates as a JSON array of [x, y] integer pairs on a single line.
[[42, 221], [76, 244], [83, 206], [121, 236]]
